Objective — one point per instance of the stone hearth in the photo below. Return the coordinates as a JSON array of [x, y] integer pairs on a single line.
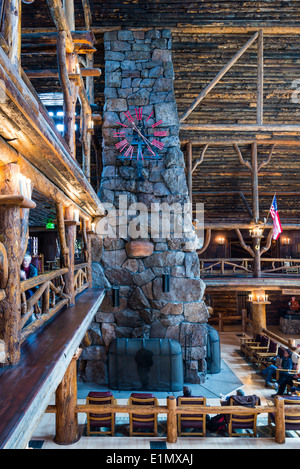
[[139, 73]]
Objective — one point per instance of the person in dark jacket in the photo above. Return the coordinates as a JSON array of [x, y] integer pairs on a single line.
[[270, 371]]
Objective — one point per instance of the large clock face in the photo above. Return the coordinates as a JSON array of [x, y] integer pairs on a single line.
[[139, 136]]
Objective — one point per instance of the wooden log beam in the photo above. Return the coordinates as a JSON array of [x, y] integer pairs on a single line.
[[231, 141], [78, 37], [12, 31], [85, 72], [285, 128], [217, 78], [61, 23], [260, 78]]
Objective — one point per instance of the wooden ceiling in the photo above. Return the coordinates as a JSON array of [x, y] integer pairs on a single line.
[[197, 59]]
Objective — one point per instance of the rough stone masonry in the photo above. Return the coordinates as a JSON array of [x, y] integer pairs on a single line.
[[139, 73]]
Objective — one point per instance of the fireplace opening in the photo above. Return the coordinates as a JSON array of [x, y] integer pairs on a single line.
[[145, 364]]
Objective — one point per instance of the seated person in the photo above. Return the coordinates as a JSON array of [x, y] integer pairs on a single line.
[[28, 270], [187, 392], [294, 305], [286, 363]]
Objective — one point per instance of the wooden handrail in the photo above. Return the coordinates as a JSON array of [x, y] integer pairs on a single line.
[[172, 410], [39, 279]]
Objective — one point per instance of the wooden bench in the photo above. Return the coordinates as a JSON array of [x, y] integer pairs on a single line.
[[26, 388]]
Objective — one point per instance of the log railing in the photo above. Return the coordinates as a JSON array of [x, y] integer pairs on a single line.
[[47, 298], [219, 266], [81, 281], [172, 410], [245, 266]]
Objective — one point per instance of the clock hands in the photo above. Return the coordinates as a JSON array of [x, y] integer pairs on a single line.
[[143, 137]]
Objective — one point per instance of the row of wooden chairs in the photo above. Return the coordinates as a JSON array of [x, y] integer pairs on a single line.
[[146, 425]]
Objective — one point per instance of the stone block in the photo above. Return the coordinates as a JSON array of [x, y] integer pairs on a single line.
[[143, 277], [138, 300], [98, 278], [165, 259], [172, 308], [113, 258], [196, 333], [181, 289], [108, 333], [196, 312], [128, 318]]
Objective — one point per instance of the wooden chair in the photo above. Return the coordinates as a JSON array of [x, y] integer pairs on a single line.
[[192, 422], [142, 421], [291, 418], [247, 421], [247, 341], [96, 421], [258, 357], [262, 347]]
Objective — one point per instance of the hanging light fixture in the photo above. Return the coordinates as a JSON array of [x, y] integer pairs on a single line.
[[166, 283], [115, 295]]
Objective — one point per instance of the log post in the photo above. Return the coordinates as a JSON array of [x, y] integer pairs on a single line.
[[10, 233], [89, 234], [244, 321], [171, 420], [259, 321], [67, 431], [189, 155], [70, 227], [279, 421], [12, 31]]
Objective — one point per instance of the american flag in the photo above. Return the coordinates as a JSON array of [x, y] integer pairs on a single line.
[[276, 220]]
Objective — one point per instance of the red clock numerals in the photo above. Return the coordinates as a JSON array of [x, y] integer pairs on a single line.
[[120, 123], [160, 133], [129, 152], [139, 113], [157, 144], [149, 116], [129, 116], [119, 134], [157, 123], [122, 144]]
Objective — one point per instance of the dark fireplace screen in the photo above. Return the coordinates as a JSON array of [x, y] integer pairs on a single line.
[[145, 364]]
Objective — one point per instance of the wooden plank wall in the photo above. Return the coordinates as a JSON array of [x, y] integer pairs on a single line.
[[197, 59]]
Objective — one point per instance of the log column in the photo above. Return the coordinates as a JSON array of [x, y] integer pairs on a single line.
[[259, 316], [10, 235], [67, 431], [12, 31], [70, 227]]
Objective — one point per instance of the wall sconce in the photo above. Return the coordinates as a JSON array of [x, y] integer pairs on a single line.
[[221, 240], [90, 126], [166, 283], [286, 241], [115, 295], [93, 226], [76, 215], [25, 186]]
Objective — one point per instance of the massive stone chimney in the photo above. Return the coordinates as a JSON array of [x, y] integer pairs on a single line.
[[139, 74]]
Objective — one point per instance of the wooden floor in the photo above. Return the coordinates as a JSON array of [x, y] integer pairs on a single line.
[[252, 384]]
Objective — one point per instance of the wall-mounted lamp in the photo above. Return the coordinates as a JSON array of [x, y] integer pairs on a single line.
[[115, 295], [76, 215], [90, 126], [166, 283], [286, 241], [221, 240], [25, 186], [93, 226]]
